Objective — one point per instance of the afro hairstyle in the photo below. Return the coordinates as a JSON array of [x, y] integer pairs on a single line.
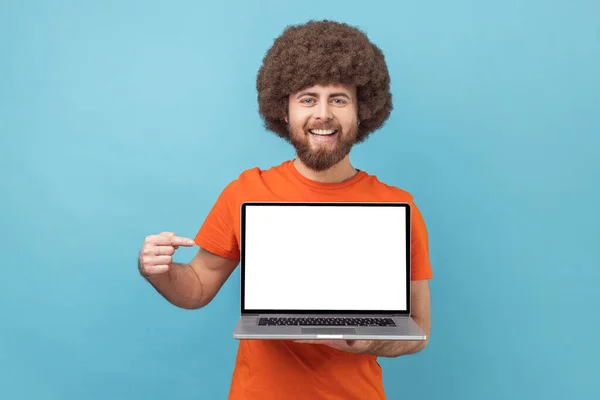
[[324, 52]]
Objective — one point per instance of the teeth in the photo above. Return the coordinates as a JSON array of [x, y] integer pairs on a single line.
[[322, 132]]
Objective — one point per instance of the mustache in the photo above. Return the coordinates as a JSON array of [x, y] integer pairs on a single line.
[[325, 126]]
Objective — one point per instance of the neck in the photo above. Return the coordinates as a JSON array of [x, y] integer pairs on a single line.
[[340, 172]]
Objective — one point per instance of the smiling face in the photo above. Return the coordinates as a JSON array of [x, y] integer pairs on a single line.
[[323, 124]]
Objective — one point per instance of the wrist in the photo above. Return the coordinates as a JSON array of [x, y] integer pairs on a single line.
[[160, 279]]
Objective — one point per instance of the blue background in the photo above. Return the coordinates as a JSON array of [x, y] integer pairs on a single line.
[[123, 119]]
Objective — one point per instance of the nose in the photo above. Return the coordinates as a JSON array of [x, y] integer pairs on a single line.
[[323, 112]]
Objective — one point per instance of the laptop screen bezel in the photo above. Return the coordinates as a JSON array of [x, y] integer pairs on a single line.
[[245, 205]]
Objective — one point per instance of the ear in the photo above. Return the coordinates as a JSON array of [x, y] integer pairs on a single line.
[[285, 119]]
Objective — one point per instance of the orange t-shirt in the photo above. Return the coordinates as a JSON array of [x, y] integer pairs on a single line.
[[282, 369]]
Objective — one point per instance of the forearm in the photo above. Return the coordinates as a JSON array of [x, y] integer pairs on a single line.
[[396, 348], [180, 286]]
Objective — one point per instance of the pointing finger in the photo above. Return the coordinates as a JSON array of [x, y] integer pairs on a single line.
[[161, 240], [181, 241]]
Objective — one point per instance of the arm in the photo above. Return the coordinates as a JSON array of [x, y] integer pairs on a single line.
[[194, 285]]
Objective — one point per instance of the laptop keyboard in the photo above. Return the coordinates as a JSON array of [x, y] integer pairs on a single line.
[[322, 321]]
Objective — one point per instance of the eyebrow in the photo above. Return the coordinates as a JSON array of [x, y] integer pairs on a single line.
[[313, 94]]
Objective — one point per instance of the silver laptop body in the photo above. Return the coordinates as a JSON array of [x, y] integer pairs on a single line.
[[325, 271]]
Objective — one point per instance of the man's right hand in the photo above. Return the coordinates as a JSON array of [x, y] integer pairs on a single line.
[[156, 255]]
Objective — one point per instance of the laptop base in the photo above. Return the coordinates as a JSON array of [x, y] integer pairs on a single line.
[[406, 329]]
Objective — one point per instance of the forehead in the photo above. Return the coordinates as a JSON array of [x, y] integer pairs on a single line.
[[327, 89]]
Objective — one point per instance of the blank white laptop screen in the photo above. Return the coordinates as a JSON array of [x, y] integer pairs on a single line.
[[315, 257]]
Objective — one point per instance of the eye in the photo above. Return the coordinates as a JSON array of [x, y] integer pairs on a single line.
[[306, 100], [339, 101]]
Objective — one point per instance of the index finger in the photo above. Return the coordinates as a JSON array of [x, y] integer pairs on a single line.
[[171, 240]]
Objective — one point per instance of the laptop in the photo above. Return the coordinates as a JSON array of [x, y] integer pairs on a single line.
[[325, 271]]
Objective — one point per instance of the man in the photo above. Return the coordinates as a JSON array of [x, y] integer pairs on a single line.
[[323, 87]]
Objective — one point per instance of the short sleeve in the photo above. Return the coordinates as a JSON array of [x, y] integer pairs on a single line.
[[420, 263], [216, 234]]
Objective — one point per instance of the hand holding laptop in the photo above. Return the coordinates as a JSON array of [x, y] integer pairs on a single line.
[[157, 252]]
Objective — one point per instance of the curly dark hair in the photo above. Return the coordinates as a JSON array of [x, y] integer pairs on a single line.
[[324, 52]]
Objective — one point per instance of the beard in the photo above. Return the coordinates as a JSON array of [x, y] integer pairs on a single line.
[[323, 156]]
